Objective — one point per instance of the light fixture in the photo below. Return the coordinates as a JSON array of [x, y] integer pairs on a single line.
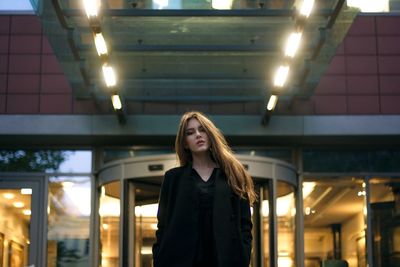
[[273, 99], [18, 204], [306, 7], [109, 75], [8, 195], [292, 44], [116, 102], [281, 76], [100, 44], [26, 191], [91, 7], [27, 212], [221, 4]]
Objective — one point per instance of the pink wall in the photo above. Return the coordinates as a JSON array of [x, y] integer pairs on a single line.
[[363, 77]]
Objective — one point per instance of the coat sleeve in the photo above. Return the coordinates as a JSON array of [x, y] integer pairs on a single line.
[[161, 213], [246, 227]]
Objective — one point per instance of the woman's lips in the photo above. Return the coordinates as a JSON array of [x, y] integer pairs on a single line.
[[201, 142]]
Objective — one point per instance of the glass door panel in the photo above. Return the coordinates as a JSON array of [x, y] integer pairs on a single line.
[[334, 221], [265, 219], [286, 212], [15, 219], [385, 206], [145, 221], [109, 210]]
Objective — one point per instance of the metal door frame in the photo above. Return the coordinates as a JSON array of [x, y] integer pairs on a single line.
[[38, 225]]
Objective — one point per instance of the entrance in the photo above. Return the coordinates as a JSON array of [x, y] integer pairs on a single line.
[[128, 196], [21, 221]]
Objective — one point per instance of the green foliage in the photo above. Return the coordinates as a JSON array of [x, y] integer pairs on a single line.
[[30, 160]]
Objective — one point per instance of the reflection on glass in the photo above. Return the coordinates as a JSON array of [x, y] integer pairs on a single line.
[[68, 221], [286, 211], [334, 221], [146, 198], [109, 211], [385, 206], [14, 226], [265, 224]]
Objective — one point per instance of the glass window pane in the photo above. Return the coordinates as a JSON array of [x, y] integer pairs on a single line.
[[286, 211], [15, 217], [334, 221], [68, 161], [146, 206], [385, 206], [69, 208], [265, 224], [109, 224]]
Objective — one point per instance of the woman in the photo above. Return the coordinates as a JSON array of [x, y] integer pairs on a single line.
[[204, 215]]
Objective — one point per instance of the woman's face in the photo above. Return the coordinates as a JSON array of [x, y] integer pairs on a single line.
[[196, 138]]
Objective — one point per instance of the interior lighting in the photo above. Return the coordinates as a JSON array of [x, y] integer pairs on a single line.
[[27, 212], [306, 8], [91, 7], [153, 226], [100, 43], [8, 195], [292, 44], [26, 191], [281, 76], [18, 204], [105, 226], [307, 210], [221, 4], [116, 101], [370, 5], [149, 210], [285, 261], [109, 75], [273, 99]]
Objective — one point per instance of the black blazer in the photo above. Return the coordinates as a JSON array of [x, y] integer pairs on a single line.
[[177, 222]]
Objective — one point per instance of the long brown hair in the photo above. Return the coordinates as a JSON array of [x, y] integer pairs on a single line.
[[238, 178]]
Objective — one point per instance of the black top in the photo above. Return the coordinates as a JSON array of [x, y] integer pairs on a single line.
[[206, 255]]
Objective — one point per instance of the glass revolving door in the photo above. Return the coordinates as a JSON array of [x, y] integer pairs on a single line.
[[128, 197]]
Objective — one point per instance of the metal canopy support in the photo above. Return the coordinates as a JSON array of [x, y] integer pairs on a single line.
[[315, 66]]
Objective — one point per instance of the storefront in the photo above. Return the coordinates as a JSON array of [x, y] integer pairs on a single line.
[[108, 217]]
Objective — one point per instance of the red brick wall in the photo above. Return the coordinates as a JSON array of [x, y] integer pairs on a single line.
[[363, 77], [31, 79]]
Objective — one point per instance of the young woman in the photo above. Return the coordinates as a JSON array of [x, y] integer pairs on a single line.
[[204, 215]]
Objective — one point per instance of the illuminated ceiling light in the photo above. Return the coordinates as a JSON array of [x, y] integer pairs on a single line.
[[27, 212], [91, 7], [109, 76], [281, 76], [8, 195], [116, 102], [105, 226], [307, 210], [100, 43], [306, 7], [273, 99], [370, 5], [18, 204], [26, 191], [221, 4], [292, 44]]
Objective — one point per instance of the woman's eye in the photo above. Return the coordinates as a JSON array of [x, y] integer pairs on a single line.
[[189, 133]]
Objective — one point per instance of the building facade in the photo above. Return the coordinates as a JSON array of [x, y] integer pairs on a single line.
[[79, 188]]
